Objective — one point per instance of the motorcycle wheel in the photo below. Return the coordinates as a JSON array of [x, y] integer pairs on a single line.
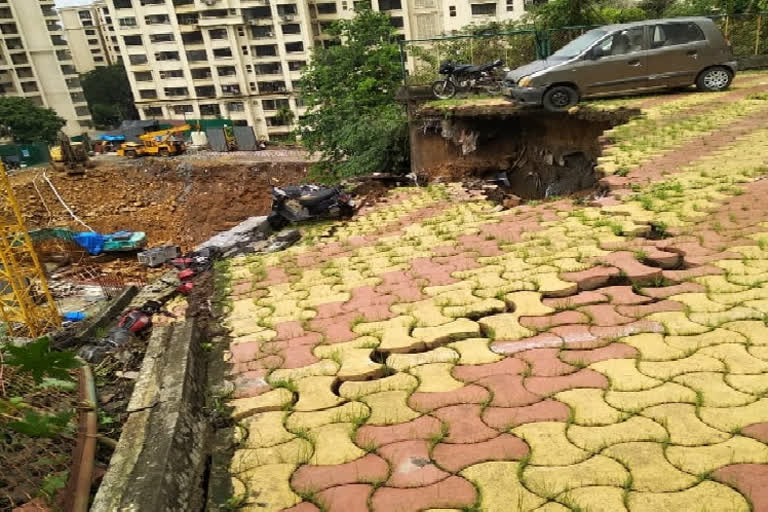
[[494, 88], [276, 221], [444, 89]]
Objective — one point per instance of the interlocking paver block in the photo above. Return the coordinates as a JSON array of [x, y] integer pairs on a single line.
[[266, 429], [750, 479], [589, 407], [372, 436], [549, 444], [470, 394], [397, 382], [403, 362], [411, 464], [474, 351], [597, 498], [316, 393], [500, 489], [267, 487], [633, 400], [451, 492], [464, 424], [274, 400], [635, 428], [348, 412], [649, 468], [504, 418], [715, 392], [389, 408], [703, 459], [550, 481], [368, 469], [457, 330], [455, 457], [704, 496]]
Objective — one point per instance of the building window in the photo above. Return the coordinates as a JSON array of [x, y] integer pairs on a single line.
[[485, 9], [269, 87], [510, 5], [176, 91], [152, 2], [173, 73], [294, 47], [286, 9], [93, 42], [182, 109], [219, 33], [390, 5], [222, 53], [210, 110], [90, 32], [148, 94], [187, 19], [230, 90], [397, 21], [127, 22], [122, 4], [157, 19], [296, 65], [192, 38], [344, 5], [236, 106], [270, 105], [85, 123], [268, 68], [241, 31], [161, 38], [163, 56], [326, 8], [265, 50], [137, 60], [29, 87], [84, 15], [143, 76], [95, 51], [132, 40], [201, 73], [262, 32], [153, 111], [206, 91], [82, 111], [226, 71], [291, 28]]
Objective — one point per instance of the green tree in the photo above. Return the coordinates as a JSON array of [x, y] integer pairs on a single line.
[[109, 96], [25, 121], [353, 122]]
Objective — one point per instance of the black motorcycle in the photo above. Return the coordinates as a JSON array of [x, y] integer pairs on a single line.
[[466, 77], [308, 202]]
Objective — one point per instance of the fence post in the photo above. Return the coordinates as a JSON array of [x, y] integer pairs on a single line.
[[727, 38], [757, 33], [471, 49]]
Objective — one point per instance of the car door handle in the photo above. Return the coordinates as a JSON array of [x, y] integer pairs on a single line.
[[634, 62], [692, 53]]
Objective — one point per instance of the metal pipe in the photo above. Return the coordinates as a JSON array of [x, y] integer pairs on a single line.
[[87, 438]]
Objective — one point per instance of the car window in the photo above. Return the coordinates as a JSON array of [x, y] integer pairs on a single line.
[[671, 34], [621, 43], [578, 45]]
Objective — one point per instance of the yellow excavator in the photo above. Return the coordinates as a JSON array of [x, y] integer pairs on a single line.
[[159, 143]]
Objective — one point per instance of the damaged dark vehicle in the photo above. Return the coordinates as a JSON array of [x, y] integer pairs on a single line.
[[308, 202]]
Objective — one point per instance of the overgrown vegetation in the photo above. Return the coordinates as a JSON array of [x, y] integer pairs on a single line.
[[25, 122], [353, 121], [109, 96]]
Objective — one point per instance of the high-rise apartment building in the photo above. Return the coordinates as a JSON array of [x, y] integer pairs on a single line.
[[36, 63], [242, 59], [91, 35]]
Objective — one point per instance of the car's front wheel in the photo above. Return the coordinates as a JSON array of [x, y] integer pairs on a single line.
[[714, 79], [560, 98]]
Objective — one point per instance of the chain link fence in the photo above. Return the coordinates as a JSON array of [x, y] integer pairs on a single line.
[[747, 34]]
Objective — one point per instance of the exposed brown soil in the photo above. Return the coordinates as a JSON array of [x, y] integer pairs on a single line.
[[175, 202]]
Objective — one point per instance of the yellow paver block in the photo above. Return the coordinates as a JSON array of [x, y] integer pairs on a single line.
[[296, 451], [474, 351], [315, 393], [715, 392], [459, 329], [527, 303], [718, 318], [273, 400], [324, 367], [356, 364], [426, 313], [482, 307], [504, 326], [635, 428], [713, 337], [759, 305], [249, 327], [435, 378], [652, 347], [394, 334], [668, 369], [552, 507], [677, 323], [736, 358], [598, 498], [740, 297], [754, 384], [737, 267], [707, 496], [457, 294], [729, 419], [503, 286], [703, 459], [698, 302], [389, 407], [755, 331], [266, 429], [396, 382], [718, 284], [486, 281], [650, 470], [683, 425], [346, 413], [402, 362], [550, 285], [624, 375], [589, 407], [635, 400], [761, 352], [570, 264], [266, 488], [500, 489], [551, 481], [549, 444], [333, 444]]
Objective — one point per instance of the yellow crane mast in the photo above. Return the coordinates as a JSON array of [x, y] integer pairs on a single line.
[[26, 304]]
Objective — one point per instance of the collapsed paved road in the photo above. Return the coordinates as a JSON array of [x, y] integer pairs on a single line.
[[433, 354]]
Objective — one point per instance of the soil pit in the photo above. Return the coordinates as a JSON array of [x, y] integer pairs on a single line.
[[542, 154]]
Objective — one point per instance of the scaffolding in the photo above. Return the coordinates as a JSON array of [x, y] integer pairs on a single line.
[[26, 305]]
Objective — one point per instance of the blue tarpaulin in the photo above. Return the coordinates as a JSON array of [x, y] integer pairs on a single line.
[[112, 138]]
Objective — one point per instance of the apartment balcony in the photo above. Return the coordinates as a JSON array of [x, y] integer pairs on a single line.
[[6, 15], [212, 20], [259, 21]]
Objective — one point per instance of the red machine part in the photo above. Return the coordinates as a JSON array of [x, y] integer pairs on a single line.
[[186, 274]]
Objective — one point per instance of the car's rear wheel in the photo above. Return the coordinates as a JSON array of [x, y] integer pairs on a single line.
[[444, 89], [714, 79], [560, 98]]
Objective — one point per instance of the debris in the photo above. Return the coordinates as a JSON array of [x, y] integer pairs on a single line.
[[127, 375], [156, 256], [300, 203]]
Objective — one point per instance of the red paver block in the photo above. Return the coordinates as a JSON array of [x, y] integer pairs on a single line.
[[365, 296], [346, 498], [251, 383], [455, 457], [668, 291], [298, 357], [580, 299], [470, 394], [288, 330], [545, 322], [573, 334], [425, 427], [543, 340], [585, 378], [371, 468], [604, 315], [458, 262], [274, 275], [329, 310], [661, 258], [508, 391], [503, 418], [758, 431], [592, 278], [621, 295], [253, 350], [464, 424], [545, 362], [470, 373], [266, 362], [612, 351], [619, 331], [411, 464], [453, 492], [643, 310], [631, 268], [749, 479], [682, 275], [336, 329]]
